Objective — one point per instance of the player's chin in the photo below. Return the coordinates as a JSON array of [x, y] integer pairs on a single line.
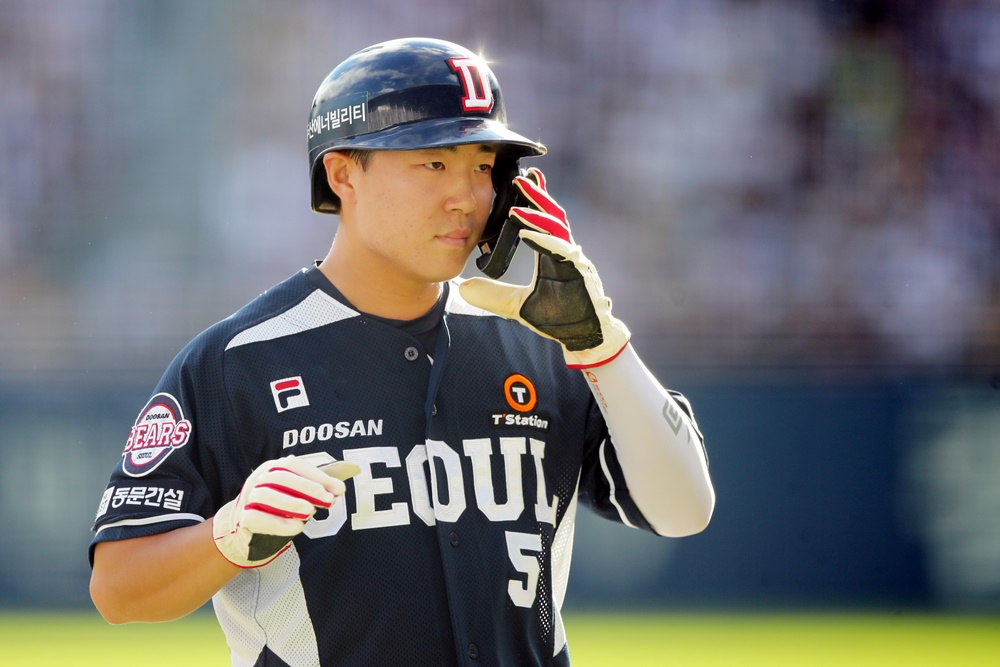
[[449, 264]]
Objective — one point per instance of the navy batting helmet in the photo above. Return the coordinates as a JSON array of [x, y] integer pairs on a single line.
[[415, 93]]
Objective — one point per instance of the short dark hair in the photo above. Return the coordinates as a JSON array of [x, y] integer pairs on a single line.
[[361, 156]]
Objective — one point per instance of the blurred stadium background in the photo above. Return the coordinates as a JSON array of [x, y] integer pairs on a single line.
[[794, 203]]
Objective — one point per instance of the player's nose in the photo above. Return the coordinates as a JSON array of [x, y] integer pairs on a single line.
[[462, 194]]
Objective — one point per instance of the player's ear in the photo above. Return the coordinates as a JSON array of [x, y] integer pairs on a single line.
[[339, 171]]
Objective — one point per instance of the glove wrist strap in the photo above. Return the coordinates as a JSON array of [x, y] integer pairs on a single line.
[[580, 361], [228, 540]]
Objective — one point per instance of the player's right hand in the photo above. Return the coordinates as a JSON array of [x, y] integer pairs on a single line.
[[276, 501], [565, 300]]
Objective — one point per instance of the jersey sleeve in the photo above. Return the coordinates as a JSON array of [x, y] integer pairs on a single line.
[[603, 488], [172, 471]]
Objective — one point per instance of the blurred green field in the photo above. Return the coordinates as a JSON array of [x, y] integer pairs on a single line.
[[702, 640]]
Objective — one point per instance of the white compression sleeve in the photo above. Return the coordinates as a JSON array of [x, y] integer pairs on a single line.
[[658, 446]]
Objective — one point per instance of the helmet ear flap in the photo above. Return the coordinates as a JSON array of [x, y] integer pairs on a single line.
[[500, 236], [323, 198]]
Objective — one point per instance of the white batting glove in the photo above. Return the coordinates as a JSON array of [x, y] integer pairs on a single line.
[[565, 300], [276, 501]]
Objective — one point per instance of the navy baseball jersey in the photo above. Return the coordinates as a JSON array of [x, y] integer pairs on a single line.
[[451, 547]]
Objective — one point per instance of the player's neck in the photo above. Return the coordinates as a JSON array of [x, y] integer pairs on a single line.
[[384, 293]]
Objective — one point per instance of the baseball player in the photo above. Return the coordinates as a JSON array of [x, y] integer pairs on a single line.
[[374, 462]]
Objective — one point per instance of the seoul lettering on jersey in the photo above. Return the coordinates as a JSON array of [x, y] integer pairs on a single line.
[[371, 490]]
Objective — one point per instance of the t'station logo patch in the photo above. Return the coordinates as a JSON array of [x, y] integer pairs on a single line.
[[159, 429], [522, 398], [289, 393]]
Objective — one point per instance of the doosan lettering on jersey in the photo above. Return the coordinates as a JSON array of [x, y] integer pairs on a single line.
[[309, 434]]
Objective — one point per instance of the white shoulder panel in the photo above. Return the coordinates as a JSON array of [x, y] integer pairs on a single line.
[[316, 310]]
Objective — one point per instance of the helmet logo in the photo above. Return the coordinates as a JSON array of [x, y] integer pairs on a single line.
[[474, 77]]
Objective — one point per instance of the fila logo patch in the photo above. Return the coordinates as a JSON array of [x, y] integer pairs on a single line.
[[474, 77], [289, 393]]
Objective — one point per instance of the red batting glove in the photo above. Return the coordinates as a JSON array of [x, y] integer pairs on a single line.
[[565, 300], [276, 501]]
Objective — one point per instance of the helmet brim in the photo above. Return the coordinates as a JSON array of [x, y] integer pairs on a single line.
[[439, 132]]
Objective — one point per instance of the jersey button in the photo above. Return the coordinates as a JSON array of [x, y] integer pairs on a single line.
[[434, 409], [453, 538], [473, 651], [411, 353]]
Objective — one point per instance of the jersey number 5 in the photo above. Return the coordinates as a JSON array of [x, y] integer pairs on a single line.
[[523, 550]]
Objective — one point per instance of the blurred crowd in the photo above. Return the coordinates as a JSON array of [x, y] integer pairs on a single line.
[[762, 183]]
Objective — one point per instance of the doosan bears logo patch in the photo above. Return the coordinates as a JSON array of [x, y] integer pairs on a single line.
[[158, 431]]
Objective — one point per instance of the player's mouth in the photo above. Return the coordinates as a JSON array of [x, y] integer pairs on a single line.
[[456, 239]]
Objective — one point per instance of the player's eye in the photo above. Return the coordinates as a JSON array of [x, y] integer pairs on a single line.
[[434, 166], [485, 168]]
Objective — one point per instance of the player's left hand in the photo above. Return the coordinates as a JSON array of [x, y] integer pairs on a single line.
[[565, 300]]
